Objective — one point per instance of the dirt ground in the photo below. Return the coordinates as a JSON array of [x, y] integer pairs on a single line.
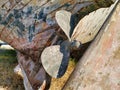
[[8, 79]]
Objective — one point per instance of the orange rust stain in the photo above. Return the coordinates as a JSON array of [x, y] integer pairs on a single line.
[[44, 25]]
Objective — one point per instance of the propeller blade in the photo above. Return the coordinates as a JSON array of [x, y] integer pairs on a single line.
[[63, 19], [55, 60], [89, 26]]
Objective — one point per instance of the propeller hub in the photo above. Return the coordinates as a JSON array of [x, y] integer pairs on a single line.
[[75, 44]]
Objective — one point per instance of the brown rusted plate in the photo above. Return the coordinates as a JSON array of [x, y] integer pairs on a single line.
[[55, 60]]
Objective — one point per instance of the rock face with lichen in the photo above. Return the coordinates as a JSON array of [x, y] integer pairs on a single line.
[[29, 26]]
